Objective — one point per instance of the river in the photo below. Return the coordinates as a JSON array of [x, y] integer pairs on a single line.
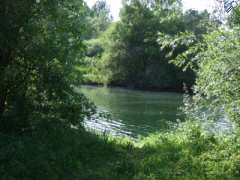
[[133, 113]]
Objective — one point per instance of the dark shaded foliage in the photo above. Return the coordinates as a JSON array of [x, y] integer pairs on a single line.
[[41, 43]]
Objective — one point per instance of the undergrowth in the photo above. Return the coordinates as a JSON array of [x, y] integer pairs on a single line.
[[55, 151]]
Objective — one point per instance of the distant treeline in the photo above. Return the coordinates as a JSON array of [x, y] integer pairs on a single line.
[[137, 51]]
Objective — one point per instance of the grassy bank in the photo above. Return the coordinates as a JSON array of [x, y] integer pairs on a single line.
[[58, 152]]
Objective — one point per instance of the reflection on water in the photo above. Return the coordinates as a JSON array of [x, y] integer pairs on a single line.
[[133, 112], [103, 124]]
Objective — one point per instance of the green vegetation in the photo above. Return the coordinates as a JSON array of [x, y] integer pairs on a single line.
[[40, 47], [47, 48], [219, 73], [57, 152], [127, 54]]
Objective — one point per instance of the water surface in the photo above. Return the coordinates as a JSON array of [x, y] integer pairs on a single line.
[[133, 112]]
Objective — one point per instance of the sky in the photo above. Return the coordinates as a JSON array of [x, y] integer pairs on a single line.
[[115, 5]]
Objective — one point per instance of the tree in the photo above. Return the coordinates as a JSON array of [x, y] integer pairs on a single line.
[[217, 85], [99, 18], [41, 42], [131, 49]]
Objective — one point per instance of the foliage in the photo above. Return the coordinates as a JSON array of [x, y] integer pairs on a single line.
[[40, 47], [41, 114], [132, 56], [97, 56], [234, 17], [98, 19], [181, 48], [217, 86], [189, 153], [57, 152]]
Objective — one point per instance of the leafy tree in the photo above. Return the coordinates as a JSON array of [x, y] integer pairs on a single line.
[[217, 86], [41, 42], [99, 19], [132, 48]]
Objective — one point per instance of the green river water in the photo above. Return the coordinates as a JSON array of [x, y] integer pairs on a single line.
[[133, 113]]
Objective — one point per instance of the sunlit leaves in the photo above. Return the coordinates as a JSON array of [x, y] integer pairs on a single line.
[[219, 76], [182, 49]]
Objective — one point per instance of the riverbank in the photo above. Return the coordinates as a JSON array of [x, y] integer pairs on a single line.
[[65, 153], [180, 90]]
